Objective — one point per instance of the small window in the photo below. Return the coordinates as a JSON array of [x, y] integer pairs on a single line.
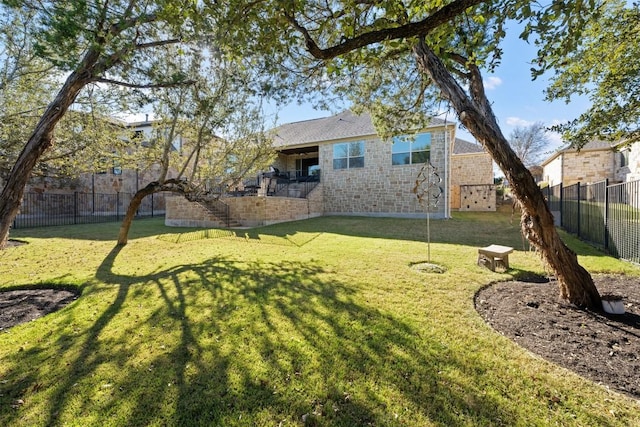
[[411, 150], [624, 158], [348, 155]]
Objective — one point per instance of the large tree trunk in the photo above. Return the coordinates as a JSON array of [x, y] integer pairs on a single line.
[[134, 204], [40, 141], [175, 185], [475, 113]]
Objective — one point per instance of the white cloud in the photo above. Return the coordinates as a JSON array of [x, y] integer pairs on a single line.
[[491, 83], [517, 121], [555, 140]]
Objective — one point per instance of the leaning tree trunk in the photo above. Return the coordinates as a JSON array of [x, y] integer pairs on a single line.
[[475, 113], [174, 185], [40, 141], [134, 204]]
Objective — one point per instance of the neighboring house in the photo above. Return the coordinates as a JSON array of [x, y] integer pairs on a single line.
[[360, 174], [104, 192], [595, 162], [472, 186], [112, 178], [537, 172], [627, 161]]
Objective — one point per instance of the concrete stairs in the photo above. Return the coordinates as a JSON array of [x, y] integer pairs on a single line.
[[220, 211]]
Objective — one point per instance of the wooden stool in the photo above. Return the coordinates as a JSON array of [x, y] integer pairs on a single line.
[[495, 254]]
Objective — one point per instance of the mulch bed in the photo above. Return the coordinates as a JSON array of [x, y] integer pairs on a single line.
[[24, 305], [601, 347], [20, 306]]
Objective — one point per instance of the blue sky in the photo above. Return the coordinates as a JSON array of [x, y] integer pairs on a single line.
[[516, 99]]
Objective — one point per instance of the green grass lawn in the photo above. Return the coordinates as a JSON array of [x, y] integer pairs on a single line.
[[317, 322]]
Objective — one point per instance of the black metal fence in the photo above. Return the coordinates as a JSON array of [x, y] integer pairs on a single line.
[[607, 216], [45, 209], [283, 184]]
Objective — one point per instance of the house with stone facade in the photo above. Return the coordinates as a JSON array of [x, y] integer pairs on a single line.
[[338, 165], [105, 192], [361, 174], [109, 180], [595, 162]]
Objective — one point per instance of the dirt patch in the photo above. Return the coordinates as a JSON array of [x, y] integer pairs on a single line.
[[602, 348], [13, 243], [20, 306]]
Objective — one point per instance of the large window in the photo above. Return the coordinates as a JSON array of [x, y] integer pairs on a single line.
[[411, 150], [348, 155]]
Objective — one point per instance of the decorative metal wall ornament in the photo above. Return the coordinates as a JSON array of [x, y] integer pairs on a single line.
[[428, 191]]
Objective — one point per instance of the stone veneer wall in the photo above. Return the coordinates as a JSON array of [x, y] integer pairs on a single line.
[[107, 183], [182, 213], [249, 211], [101, 189], [469, 169], [587, 167], [379, 188], [478, 198], [256, 211]]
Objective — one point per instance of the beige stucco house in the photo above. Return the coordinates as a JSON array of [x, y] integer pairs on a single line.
[[103, 193]]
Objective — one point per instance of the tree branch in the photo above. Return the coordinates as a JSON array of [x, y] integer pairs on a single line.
[[158, 43], [144, 86], [420, 28], [476, 85]]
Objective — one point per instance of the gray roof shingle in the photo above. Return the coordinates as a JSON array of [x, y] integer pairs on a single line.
[[592, 145], [460, 146], [589, 146], [340, 126]]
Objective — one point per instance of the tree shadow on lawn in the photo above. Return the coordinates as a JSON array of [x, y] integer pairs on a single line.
[[99, 231], [299, 233], [241, 344]]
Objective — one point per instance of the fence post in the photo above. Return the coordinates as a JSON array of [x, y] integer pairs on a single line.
[[93, 193], [75, 207], [151, 205], [117, 206], [606, 214], [578, 210], [561, 205]]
